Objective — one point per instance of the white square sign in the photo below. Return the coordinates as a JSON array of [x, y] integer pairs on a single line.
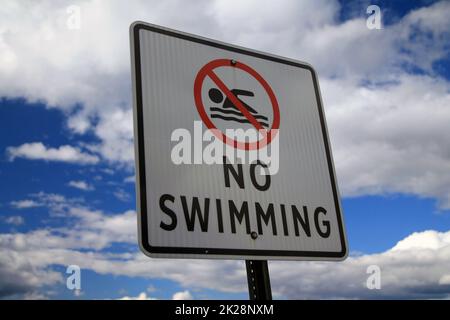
[[233, 159]]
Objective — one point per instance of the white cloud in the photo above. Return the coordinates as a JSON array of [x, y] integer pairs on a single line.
[[391, 138], [151, 288], [413, 272], [15, 220], [25, 204], [37, 151], [424, 240], [98, 230], [130, 179], [78, 293], [82, 185], [445, 280], [140, 296], [182, 295], [35, 296], [56, 203], [431, 44], [88, 229], [50, 199], [116, 133], [122, 195], [19, 275]]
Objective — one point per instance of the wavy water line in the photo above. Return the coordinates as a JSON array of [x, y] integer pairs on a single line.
[[237, 113], [236, 119]]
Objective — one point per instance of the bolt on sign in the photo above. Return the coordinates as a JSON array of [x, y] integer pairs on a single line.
[[233, 159]]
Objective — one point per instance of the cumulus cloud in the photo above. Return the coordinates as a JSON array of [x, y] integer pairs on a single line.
[[408, 270], [122, 195], [35, 296], [25, 204], [140, 296], [182, 295], [56, 204], [87, 228], [14, 220], [424, 240], [19, 275], [38, 151], [99, 230], [391, 138], [116, 133], [82, 185]]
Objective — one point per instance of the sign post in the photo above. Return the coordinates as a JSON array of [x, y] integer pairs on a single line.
[[233, 159], [258, 280]]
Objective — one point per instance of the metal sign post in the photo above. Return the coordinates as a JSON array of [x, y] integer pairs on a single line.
[[258, 280]]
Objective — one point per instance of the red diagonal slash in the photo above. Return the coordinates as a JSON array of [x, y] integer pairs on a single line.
[[234, 100], [267, 135]]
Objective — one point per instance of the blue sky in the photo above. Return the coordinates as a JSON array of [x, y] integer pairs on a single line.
[[66, 149]]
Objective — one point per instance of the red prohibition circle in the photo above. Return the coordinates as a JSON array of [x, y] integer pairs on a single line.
[[208, 70]]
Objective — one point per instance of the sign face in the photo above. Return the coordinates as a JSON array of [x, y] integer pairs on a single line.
[[233, 159]]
